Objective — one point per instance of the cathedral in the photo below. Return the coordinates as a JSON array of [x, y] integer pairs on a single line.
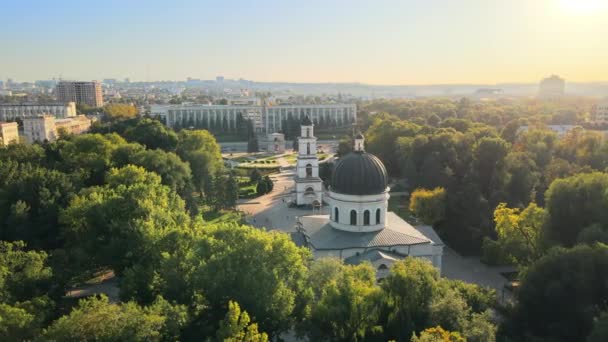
[[359, 226]]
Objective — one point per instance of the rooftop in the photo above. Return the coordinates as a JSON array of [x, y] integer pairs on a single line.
[[321, 235]]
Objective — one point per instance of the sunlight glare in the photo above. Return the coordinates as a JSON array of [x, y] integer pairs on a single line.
[[585, 7]]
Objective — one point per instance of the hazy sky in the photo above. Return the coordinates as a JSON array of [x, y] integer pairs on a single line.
[[374, 41]]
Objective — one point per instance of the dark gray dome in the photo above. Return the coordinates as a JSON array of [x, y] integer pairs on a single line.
[[359, 173]]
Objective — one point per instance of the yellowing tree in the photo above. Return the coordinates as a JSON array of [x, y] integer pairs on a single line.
[[428, 205]]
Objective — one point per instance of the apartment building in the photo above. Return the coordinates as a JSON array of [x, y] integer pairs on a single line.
[[9, 133], [87, 93], [47, 128]]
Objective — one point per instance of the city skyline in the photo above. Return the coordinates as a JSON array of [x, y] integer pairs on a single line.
[[378, 43]]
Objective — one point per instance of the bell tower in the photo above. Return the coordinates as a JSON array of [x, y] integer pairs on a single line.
[[309, 187]]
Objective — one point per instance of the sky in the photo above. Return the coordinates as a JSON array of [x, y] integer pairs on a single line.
[[375, 41]]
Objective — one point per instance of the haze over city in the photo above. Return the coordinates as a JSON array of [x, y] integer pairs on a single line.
[[374, 42], [302, 171]]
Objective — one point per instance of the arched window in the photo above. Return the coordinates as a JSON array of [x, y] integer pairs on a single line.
[[336, 214], [309, 190], [366, 218], [307, 148], [377, 216], [353, 218], [308, 170], [308, 132]]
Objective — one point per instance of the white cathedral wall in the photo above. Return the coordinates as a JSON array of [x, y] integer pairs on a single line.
[[346, 203]]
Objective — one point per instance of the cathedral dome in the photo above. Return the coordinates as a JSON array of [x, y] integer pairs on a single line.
[[359, 173]]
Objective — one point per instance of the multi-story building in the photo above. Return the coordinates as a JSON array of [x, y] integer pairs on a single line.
[[40, 128], [47, 128], [88, 93], [552, 87], [9, 133], [271, 118], [13, 111], [600, 112], [76, 125]]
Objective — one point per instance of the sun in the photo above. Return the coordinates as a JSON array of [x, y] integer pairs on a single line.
[[584, 6]]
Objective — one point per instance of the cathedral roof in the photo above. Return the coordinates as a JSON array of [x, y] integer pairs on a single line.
[[359, 173], [318, 232]]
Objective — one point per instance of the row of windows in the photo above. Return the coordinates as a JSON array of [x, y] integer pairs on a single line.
[[353, 216]]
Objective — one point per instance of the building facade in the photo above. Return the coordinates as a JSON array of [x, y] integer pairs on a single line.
[[76, 125], [551, 88], [276, 143], [88, 93], [309, 186], [47, 128], [600, 112], [268, 118], [9, 133], [13, 111], [40, 128]]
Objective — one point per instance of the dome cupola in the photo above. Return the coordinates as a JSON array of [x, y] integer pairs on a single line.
[[359, 173]]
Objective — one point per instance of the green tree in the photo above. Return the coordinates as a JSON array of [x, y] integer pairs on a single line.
[[438, 334], [236, 327], [560, 295], [152, 134], [25, 282], [520, 232], [600, 329], [408, 291], [201, 150], [428, 205], [96, 319], [347, 306], [574, 203], [119, 111], [30, 200], [118, 224]]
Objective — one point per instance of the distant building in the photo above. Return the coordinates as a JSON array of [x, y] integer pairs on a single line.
[[88, 93], [5, 92], [47, 128], [244, 101], [560, 130], [552, 87], [276, 143], [488, 93], [9, 133], [265, 118], [600, 112], [13, 111], [41, 128]]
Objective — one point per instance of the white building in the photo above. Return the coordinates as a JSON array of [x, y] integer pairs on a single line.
[[9, 133], [47, 128], [552, 88], [271, 118], [600, 112], [13, 111], [309, 187], [40, 128], [276, 143], [360, 227]]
